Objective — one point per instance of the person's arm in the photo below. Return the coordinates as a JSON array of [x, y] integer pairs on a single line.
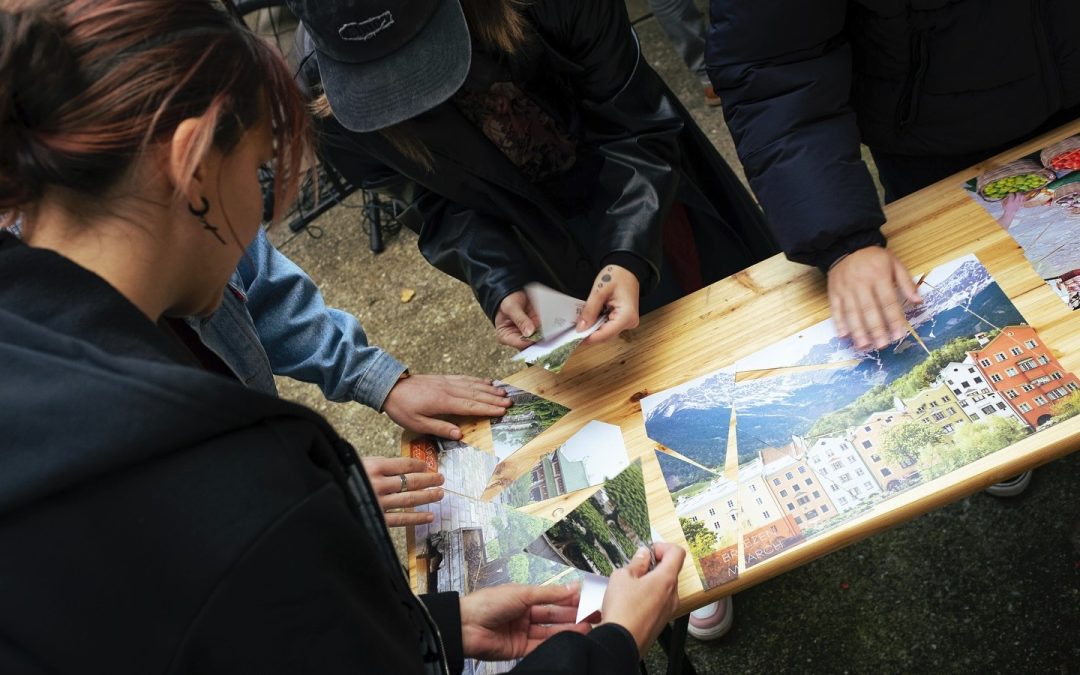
[[634, 124], [306, 340], [784, 72]]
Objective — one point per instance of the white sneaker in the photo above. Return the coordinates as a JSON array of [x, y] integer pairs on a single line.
[[1011, 487], [712, 621]]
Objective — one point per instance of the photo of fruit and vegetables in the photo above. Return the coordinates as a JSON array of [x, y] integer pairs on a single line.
[[1036, 199]]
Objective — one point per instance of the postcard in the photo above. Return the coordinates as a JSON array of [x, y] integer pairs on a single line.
[[818, 447], [527, 418], [1036, 199], [706, 505], [604, 532], [693, 418], [590, 457]]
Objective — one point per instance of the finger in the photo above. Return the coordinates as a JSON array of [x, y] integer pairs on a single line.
[[639, 564], [511, 337], [392, 466], [541, 632], [471, 408], [479, 385], [594, 304], [669, 555], [610, 330], [893, 311], [552, 614], [836, 302], [853, 315], [519, 315], [469, 379], [479, 396], [420, 481], [407, 519], [412, 498], [905, 283], [552, 595], [874, 312], [434, 426]]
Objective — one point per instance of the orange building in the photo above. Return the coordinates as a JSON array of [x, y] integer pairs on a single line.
[[1020, 367]]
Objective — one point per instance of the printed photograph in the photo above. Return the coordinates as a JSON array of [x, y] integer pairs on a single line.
[[694, 418], [527, 418], [473, 544], [553, 352], [604, 532], [590, 457], [1036, 199], [466, 470], [706, 505], [821, 445]]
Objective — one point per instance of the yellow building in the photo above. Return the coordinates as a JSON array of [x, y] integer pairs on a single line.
[[867, 437], [937, 406]]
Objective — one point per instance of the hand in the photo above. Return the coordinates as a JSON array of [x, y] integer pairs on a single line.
[[421, 487], [416, 401], [862, 292], [515, 321], [509, 621], [642, 600], [617, 289]]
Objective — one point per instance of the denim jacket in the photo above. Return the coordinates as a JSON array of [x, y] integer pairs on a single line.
[[273, 321]]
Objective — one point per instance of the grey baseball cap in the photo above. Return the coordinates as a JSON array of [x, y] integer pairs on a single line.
[[384, 61]]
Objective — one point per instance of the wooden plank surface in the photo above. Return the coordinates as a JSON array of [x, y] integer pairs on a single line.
[[737, 316]]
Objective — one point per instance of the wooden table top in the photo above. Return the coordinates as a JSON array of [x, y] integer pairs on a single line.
[[737, 316]]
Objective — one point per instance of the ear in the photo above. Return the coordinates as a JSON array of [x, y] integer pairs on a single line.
[[190, 158]]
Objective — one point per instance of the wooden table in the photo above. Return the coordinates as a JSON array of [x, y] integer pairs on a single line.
[[733, 318]]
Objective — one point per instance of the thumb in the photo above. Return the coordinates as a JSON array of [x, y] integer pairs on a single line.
[[591, 311], [639, 564]]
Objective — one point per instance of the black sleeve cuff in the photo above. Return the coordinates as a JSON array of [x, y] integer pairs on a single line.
[[826, 258], [637, 265], [445, 610]]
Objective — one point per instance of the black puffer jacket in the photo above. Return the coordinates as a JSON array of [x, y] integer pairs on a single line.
[[803, 82], [159, 518], [485, 223]]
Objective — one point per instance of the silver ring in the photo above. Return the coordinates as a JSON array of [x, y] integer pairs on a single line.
[[404, 483]]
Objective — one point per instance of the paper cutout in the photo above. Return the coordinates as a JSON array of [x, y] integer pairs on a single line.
[[527, 418], [590, 457], [557, 336], [467, 470], [693, 418], [605, 531], [593, 589]]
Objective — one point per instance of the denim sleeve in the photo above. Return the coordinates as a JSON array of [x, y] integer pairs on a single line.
[[306, 340]]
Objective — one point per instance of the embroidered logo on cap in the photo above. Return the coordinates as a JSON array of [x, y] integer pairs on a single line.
[[366, 29]]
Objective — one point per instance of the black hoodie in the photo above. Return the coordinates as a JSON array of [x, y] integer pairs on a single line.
[[158, 518]]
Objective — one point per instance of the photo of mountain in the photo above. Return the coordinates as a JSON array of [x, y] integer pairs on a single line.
[[694, 418]]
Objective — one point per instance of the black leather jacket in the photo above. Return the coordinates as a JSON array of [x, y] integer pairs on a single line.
[[485, 223]]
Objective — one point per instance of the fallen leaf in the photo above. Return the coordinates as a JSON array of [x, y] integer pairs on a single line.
[[407, 294]]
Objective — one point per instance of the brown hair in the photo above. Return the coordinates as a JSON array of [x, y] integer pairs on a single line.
[[498, 25], [87, 85]]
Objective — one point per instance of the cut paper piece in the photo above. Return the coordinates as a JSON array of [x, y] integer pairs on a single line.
[[590, 457], [593, 588], [817, 345], [680, 475], [557, 311], [527, 418], [425, 449], [552, 354], [466, 470], [694, 418], [604, 532], [766, 531], [1040, 209], [707, 509], [472, 545], [557, 337]]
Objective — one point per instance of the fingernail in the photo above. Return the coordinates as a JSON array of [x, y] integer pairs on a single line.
[[642, 552], [529, 330], [440, 492], [455, 434], [581, 325]]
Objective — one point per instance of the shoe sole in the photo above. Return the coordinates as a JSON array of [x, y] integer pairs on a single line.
[[717, 631], [1010, 488]]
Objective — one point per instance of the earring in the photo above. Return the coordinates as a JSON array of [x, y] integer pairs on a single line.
[[201, 215]]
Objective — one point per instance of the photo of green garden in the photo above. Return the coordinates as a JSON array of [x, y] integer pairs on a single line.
[[528, 417], [605, 531]]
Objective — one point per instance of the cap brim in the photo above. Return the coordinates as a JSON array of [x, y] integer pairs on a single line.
[[425, 72]]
